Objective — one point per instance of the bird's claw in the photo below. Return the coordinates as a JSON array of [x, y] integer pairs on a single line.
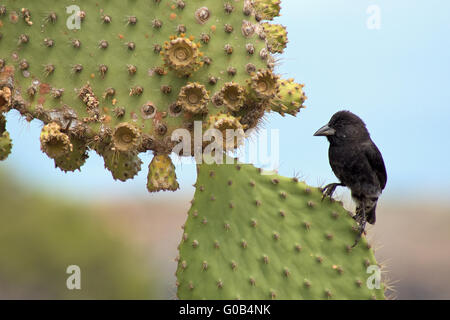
[[361, 220], [329, 189], [360, 233]]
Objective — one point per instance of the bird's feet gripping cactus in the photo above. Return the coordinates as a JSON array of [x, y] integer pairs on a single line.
[[120, 76], [329, 189]]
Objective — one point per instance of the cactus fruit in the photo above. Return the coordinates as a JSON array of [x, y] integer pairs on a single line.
[[74, 159], [267, 9], [162, 174], [290, 98], [256, 236], [5, 140], [120, 76], [276, 37], [224, 122], [53, 142], [5, 99], [123, 166]]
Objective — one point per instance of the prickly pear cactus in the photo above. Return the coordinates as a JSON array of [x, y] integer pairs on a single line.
[[256, 236], [120, 76]]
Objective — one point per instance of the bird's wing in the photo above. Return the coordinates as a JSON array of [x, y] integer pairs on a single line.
[[376, 162]]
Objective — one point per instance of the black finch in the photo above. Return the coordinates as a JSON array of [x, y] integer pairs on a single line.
[[356, 162]]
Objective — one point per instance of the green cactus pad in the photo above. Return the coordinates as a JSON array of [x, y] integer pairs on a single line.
[[256, 236], [139, 70]]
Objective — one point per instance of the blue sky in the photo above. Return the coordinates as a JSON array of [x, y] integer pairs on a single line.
[[396, 78]]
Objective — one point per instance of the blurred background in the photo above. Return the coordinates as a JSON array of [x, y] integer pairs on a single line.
[[387, 61]]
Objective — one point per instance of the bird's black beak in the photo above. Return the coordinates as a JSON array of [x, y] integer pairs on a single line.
[[325, 131]]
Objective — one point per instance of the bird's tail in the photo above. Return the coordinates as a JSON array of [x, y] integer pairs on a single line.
[[371, 215], [370, 211]]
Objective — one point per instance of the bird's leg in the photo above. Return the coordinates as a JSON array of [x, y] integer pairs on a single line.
[[361, 219], [357, 215], [329, 189]]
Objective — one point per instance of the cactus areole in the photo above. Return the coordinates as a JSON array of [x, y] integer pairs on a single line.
[[120, 76]]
